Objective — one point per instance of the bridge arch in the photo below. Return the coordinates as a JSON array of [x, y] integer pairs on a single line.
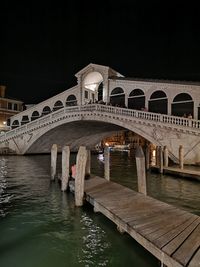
[[136, 99], [91, 85], [35, 115], [46, 110], [117, 97], [58, 105], [183, 104], [158, 102], [15, 124], [71, 101], [25, 119]]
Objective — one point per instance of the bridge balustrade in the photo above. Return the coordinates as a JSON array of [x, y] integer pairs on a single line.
[[143, 115]]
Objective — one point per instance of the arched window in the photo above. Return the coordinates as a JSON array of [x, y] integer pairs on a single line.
[[57, 105], [35, 115], [15, 124], [136, 99], [25, 120], [117, 97], [100, 92], [71, 101], [158, 102], [182, 105], [46, 110]]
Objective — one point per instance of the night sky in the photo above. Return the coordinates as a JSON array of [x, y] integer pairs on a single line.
[[42, 46]]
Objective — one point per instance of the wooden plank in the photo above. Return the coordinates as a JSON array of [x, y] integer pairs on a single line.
[[169, 233], [188, 248], [166, 238], [166, 226], [176, 242], [195, 261]]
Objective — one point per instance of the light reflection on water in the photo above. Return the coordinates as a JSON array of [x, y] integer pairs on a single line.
[[40, 226]]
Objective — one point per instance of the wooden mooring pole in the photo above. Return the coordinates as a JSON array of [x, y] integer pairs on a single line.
[[54, 151], [65, 167], [81, 160], [141, 172], [107, 163]]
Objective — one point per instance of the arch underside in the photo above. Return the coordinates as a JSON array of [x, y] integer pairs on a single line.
[[74, 134]]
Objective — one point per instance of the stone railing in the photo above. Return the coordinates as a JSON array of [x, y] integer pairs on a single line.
[[174, 121]]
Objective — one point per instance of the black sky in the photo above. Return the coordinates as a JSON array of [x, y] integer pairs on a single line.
[[42, 45]]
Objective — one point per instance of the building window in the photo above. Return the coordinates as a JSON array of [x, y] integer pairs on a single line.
[[86, 94], [15, 106], [9, 105]]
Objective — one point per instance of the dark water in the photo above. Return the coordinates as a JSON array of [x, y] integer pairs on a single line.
[[40, 226]]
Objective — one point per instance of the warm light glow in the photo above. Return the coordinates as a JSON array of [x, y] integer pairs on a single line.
[[92, 80], [4, 122], [107, 144], [154, 153]]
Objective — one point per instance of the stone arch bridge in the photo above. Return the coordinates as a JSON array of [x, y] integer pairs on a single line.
[[89, 124]]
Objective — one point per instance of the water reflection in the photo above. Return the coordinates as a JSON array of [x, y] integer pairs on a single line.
[[40, 226]]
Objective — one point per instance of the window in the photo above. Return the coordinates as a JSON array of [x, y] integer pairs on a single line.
[[15, 107], [86, 94], [9, 105]]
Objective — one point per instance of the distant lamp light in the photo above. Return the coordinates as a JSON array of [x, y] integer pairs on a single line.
[[154, 153], [107, 144], [4, 122]]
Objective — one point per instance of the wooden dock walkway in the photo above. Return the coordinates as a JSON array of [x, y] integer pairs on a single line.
[[172, 235], [186, 173]]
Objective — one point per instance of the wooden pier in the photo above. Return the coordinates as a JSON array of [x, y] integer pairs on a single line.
[[172, 235]]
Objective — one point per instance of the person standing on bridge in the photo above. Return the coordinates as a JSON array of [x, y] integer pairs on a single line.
[[73, 170]]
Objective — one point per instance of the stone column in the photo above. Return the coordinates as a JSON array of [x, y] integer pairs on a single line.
[[161, 160], [147, 157], [88, 164], [107, 163], [181, 157], [166, 156], [54, 151], [141, 173], [65, 167], [157, 156], [81, 160]]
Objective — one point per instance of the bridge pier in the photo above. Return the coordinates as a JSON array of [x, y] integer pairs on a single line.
[[81, 160], [181, 160], [107, 163], [141, 171], [65, 167], [160, 159], [54, 151], [147, 156], [166, 156]]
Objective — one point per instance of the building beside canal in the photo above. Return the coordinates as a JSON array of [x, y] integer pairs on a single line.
[[8, 108]]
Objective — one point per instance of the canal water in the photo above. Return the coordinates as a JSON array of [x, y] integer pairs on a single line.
[[41, 227]]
